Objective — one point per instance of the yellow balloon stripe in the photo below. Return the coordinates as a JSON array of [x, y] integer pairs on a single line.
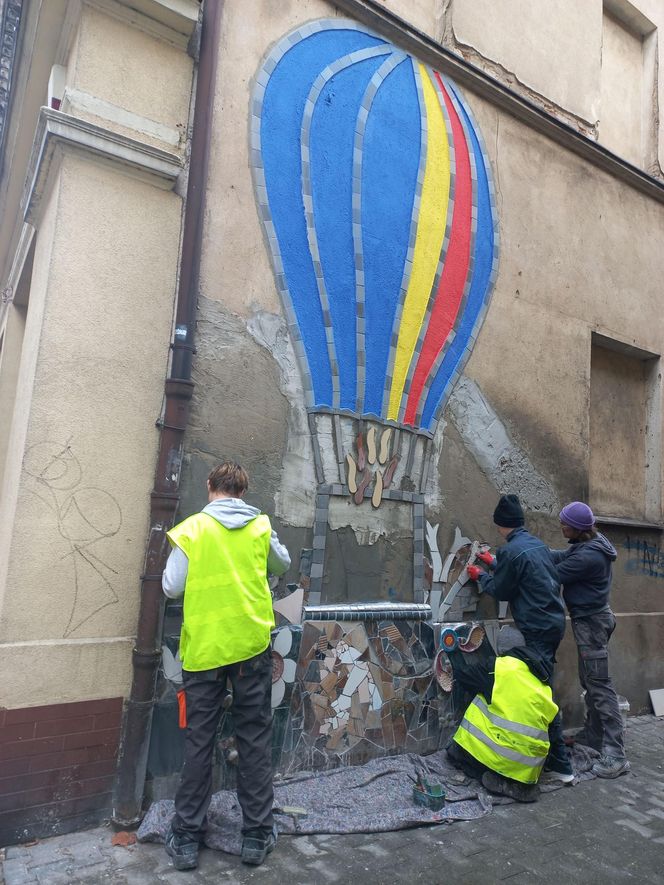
[[428, 241]]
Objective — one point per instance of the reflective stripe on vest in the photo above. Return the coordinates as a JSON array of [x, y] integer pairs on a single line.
[[227, 609], [510, 735]]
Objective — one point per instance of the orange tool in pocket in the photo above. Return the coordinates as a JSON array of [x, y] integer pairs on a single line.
[[182, 709]]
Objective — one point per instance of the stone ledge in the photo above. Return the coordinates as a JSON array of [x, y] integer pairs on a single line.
[[58, 129]]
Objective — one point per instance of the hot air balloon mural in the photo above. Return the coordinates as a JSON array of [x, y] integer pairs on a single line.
[[377, 202]]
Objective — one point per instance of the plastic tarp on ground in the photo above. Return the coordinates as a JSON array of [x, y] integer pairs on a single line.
[[371, 798]]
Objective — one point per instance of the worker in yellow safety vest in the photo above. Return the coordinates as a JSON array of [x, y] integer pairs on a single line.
[[503, 737], [220, 561]]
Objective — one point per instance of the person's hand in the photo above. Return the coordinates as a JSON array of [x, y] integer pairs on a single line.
[[474, 572], [486, 558]]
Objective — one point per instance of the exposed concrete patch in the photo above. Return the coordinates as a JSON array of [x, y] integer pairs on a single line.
[[507, 466], [237, 411], [296, 496]]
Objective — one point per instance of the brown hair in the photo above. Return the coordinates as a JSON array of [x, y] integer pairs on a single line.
[[229, 478], [587, 535]]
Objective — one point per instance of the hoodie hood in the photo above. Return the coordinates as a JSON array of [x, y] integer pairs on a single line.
[[602, 545], [534, 661], [232, 513]]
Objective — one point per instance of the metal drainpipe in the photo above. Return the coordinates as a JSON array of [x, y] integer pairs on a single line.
[[135, 738]]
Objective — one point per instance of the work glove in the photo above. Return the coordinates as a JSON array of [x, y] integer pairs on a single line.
[[487, 559], [474, 572]]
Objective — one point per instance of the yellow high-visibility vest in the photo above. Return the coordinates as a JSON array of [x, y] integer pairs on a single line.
[[510, 735], [228, 613]]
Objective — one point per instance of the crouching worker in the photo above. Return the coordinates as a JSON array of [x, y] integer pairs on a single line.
[[220, 561], [503, 739]]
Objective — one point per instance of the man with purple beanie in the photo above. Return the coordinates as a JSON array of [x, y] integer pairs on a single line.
[[524, 575], [584, 570]]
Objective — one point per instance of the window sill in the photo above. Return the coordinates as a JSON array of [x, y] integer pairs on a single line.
[[627, 522]]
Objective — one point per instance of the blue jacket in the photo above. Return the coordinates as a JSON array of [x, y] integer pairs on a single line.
[[584, 570], [526, 577]]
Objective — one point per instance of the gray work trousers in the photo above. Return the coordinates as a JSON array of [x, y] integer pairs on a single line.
[[604, 724], [252, 717]]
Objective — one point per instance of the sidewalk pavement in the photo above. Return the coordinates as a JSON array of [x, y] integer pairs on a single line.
[[599, 831]]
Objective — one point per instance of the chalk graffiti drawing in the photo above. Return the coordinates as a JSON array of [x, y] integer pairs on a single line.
[[85, 516]]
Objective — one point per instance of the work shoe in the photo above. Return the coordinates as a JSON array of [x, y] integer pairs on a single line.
[[502, 786], [556, 773], [256, 845], [610, 766], [183, 849]]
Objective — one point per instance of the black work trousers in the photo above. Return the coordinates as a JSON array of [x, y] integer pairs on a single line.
[[252, 717], [546, 646], [603, 725]]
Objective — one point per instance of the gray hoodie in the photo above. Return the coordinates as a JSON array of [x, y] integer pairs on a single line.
[[232, 513]]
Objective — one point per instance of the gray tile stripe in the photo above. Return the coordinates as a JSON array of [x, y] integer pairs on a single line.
[[338, 445], [367, 100], [318, 461], [443, 251], [307, 194], [496, 253], [412, 443], [408, 266], [469, 273]]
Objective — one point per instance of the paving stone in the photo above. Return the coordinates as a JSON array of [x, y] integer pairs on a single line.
[[572, 835], [16, 872]]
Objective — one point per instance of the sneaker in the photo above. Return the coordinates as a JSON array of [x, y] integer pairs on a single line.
[[183, 849], [610, 766], [503, 786], [556, 774], [256, 845]]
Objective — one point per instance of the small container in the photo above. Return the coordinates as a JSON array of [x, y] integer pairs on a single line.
[[623, 706], [429, 795]]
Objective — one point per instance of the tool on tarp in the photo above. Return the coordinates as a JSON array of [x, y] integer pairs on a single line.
[[428, 794]]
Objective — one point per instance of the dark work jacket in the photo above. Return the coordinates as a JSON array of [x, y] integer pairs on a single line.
[[475, 673], [584, 570], [526, 577]]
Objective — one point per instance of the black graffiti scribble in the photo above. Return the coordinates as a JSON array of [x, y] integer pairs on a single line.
[[85, 515]]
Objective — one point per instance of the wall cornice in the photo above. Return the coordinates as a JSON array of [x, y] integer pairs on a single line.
[[56, 129], [171, 20], [10, 20], [419, 44]]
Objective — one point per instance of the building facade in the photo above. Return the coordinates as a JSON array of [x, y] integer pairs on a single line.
[[179, 205]]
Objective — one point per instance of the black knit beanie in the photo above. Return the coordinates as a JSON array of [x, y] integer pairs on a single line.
[[508, 513]]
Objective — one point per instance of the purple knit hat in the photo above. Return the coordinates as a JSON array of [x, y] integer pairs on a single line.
[[577, 515]]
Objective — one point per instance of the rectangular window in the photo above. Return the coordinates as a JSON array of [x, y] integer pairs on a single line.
[[625, 431], [627, 119]]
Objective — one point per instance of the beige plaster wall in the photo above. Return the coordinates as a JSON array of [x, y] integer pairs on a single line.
[[553, 48], [130, 80], [568, 266], [105, 272], [622, 101]]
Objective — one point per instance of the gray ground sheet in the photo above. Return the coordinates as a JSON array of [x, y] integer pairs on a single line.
[[371, 798]]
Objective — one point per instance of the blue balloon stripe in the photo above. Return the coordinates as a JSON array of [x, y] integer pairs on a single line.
[[482, 270], [331, 158], [281, 121], [390, 163]]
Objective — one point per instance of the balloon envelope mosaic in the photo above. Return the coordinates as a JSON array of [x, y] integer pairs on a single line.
[[377, 202]]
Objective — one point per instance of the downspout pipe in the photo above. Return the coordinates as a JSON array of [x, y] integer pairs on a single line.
[[165, 497]]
